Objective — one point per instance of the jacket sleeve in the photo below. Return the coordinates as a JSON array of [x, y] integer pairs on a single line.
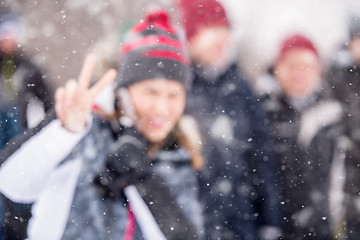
[[29, 159], [262, 165], [155, 209], [263, 159]]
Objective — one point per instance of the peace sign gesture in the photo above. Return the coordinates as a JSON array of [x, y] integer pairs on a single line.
[[73, 103]]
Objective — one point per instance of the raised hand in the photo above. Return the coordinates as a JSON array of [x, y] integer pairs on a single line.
[[73, 103]]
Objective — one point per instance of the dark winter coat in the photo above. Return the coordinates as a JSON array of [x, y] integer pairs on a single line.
[[344, 78], [305, 139], [29, 83], [238, 187], [102, 197]]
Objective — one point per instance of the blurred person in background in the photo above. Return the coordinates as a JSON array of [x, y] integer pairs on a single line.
[[303, 121], [21, 80], [127, 176], [238, 190], [22, 86], [344, 77]]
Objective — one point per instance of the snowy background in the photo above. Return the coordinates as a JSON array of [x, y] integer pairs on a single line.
[[59, 33]]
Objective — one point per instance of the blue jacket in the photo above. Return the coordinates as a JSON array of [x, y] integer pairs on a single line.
[[76, 199], [344, 78], [305, 134], [238, 180]]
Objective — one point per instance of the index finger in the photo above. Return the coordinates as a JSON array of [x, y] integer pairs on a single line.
[[86, 71], [108, 77]]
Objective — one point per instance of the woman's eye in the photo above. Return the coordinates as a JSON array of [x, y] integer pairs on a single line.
[[173, 94], [150, 92]]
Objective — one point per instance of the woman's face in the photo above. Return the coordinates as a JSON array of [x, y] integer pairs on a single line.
[[159, 104], [355, 49], [298, 72], [208, 46]]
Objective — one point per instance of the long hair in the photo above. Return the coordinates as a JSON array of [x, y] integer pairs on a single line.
[[188, 135], [185, 132]]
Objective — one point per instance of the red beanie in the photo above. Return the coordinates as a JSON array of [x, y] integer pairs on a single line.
[[196, 14], [296, 41]]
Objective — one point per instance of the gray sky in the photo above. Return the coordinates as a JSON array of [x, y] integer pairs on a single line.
[[59, 33], [261, 25]]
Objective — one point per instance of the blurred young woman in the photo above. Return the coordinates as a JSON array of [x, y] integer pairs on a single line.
[[131, 176]]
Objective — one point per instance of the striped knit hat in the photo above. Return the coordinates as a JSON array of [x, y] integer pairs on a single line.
[[152, 49]]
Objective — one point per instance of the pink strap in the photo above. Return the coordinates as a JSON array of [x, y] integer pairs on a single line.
[[130, 224]]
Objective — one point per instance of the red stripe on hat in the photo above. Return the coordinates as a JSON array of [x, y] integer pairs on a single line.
[[152, 40], [167, 54]]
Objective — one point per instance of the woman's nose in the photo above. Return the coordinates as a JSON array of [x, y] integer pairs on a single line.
[[161, 106]]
